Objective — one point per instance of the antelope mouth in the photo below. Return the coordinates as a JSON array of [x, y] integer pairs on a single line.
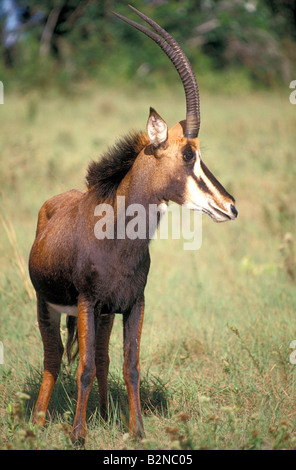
[[220, 215]]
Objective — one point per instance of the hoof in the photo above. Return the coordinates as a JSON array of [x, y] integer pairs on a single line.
[[77, 441], [78, 436], [38, 418]]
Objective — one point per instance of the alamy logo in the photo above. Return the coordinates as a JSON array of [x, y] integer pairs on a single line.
[[293, 353], [1, 93], [136, 221], [1, 353], [293, 94]]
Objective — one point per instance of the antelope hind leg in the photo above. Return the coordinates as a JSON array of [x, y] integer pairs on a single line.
[[49, 325]]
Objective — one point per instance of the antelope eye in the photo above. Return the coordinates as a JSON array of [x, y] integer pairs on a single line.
[[188, 154]]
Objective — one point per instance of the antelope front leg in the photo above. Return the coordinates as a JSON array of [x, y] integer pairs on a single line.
[[132, 328], [86, 369], [103, 331]]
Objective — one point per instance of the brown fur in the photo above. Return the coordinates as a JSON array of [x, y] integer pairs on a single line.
[[69, 266]]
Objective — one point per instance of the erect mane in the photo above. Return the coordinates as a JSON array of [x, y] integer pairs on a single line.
[[106, 174]]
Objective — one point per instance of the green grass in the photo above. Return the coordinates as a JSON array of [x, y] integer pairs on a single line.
[[219, 321]]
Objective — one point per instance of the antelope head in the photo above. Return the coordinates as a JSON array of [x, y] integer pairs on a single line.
[[182, 176]]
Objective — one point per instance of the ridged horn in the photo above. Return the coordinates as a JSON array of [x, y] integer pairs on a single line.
[[174, 52]]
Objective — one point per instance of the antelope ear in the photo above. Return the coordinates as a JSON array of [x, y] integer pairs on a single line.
[[157, 129]]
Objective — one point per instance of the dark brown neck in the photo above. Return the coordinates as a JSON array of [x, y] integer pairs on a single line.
[[139, 200]]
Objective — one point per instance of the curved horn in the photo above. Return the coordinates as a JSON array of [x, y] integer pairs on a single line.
[[182, 65]]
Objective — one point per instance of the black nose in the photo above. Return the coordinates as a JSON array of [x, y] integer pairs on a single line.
[[233, 210]]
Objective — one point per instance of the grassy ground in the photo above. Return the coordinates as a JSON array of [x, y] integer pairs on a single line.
[[219, 321]]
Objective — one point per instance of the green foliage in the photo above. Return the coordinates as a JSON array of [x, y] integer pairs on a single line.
[[80, 40]]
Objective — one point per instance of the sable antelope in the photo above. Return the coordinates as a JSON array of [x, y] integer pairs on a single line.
[[91, 279]]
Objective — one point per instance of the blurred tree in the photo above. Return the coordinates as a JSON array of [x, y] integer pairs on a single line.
[[14, 21], [82, 38], [284, 14]]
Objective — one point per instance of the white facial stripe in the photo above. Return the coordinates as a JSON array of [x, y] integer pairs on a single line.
[[194, 197], [213, 192], [197, 166], [204, 200]]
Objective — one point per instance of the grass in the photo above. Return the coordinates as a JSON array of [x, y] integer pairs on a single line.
[[219, 321]]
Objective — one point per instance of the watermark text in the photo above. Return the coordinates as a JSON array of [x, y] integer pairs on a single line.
[[1, 93], [293, 353], [135, 221], [293, 93], [1, 353]]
